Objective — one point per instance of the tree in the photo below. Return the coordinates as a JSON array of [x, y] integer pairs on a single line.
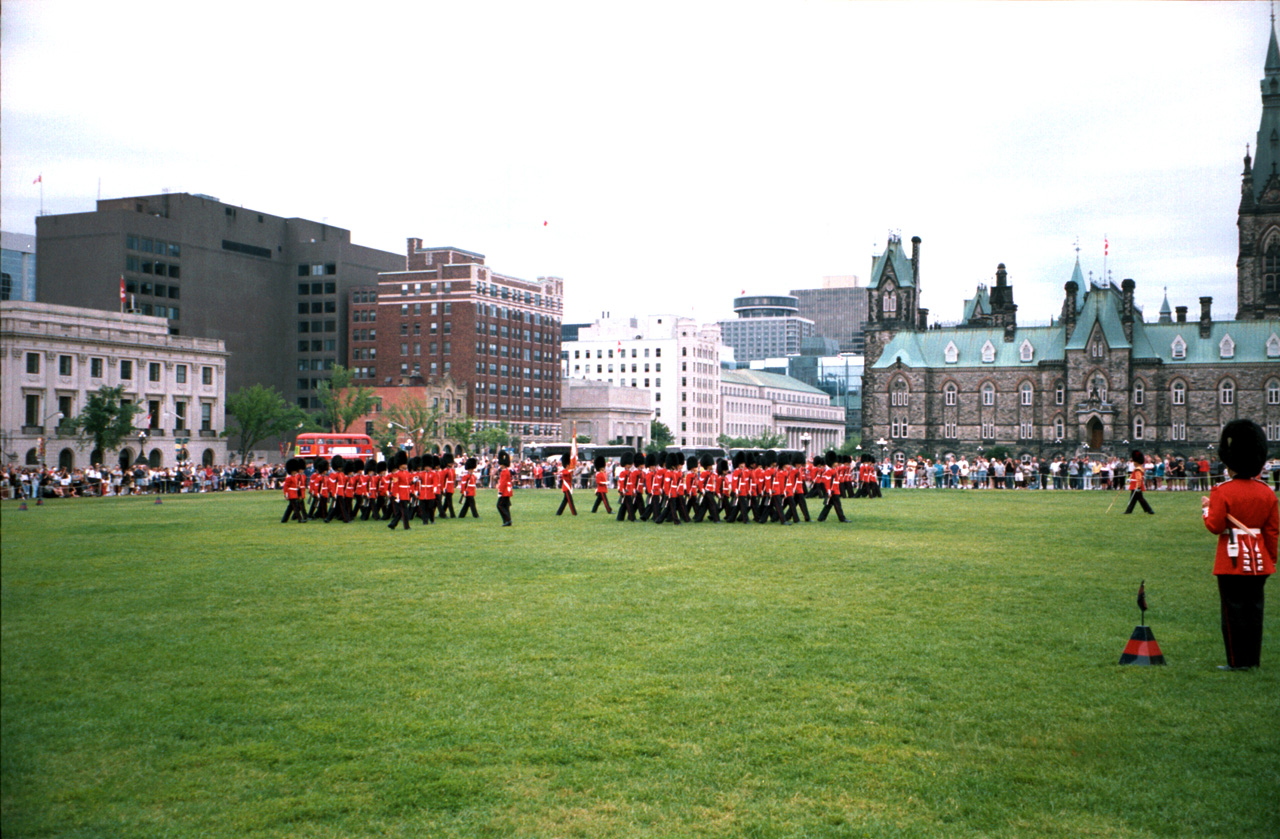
[[659, 437], [583, 439], [493, 437], [462, 432], [852, 445], [417, 419], [340, 403], [261, 412], [765, 440], [106, 419]]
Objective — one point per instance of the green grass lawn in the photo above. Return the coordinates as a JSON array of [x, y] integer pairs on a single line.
[[944, 667]]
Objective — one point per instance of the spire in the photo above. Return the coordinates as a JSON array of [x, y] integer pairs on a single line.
[[1166, 314], [1267, 148]]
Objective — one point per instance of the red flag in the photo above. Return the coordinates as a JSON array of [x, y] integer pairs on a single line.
[[1106, 246], [1142, 595], [122, 289], [573, 449], [39, 179]]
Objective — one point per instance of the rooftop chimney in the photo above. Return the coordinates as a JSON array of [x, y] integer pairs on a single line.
[[1206, 321], [1181, 313]]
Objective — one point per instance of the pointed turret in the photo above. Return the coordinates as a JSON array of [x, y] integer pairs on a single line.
[[1267, 149], [1166, 314]]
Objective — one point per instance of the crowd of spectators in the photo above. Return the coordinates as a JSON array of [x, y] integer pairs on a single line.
[[97, 481]]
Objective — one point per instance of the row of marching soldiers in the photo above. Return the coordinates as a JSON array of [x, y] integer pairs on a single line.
[[407, 488], [769, 487]]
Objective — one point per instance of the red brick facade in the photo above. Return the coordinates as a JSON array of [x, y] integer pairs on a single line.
[[449, 314]]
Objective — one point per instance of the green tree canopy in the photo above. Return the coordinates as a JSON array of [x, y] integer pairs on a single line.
[[417, 420], [106, 419], [461, 432], [341, 404], [659, 437], [764, 440], [261, 412], [493, 437]]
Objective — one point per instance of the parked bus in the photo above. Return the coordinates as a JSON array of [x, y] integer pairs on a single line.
[[327, 444]]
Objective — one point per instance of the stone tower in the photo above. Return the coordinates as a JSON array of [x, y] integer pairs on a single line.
[[1258, 265]]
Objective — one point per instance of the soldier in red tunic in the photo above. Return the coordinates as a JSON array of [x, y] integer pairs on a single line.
[[566, 484], [295, 490], [467, 486], [1243, 511], [602, 486], [401, 492], [504, 487]]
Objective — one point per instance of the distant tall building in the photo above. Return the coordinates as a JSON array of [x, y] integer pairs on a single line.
[[446, 313], [672, 357], [273, 289], [17, 267], [767, 326], [838, 310]]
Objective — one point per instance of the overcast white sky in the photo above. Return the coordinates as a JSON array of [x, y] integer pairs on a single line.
[[678, 153]]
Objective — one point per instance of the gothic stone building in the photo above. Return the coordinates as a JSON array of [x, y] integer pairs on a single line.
[[1099, 378]]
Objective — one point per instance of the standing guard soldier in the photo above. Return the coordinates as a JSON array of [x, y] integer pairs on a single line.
[[316, 487], [624, 484], [799, 491], [652, 486], [778, 489], [468, 488], [831, 484], [504, 487]]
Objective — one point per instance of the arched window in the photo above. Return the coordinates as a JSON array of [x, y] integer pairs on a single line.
[[1273, 346], [1273, 392], [1226, 347], [1059, 393], [66, 459], [1139, 427], [951, 353], [1025, 393], [949, 393], [988, 352], [33, 459], [1059, 428], [1179, 348], [899, 393], [154, 459], [1139, 392], [988, 394], [1227, 392], [890, 300], [1026, 352], [1179, 392], [1098, 387]]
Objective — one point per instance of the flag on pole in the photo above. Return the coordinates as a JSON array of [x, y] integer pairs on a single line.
[[39, 179], [1142, 599], [573, 449], [122, 292], [1106, 246]]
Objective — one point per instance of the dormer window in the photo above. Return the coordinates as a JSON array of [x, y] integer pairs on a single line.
[[988, 352], [1273, 346], [1026, 351], [890, 303], [1226, 347], [1179, 347], [952, 352]]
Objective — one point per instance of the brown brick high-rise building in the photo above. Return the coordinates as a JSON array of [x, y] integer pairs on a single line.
[[448, 313]]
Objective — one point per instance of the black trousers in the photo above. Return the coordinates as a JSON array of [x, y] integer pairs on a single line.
[[1135, 497], [567, 501], [468, 503], [401, 512], [1242, 599], [833, 501], [798, 503], [295, 511], [446, 506], [504, 509], [602, 498]]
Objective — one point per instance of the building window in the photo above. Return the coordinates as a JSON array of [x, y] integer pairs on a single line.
[[951, 353], [900, 393], [1179, 431], [33, 411], [949, 395], [33, 363], [1026, 351], [95, 368], [1024, 431], [64, 365], [1059, 393], [1273, 431], [1179, 347], [1273, 392], [890, 304], [949, 430], [988, 394], [153, 371], [1227, 393], [1139, 392], [1025, 393], [126, 369], [180, 374], [1226, 347], [988, 352], [1139, 426], [206, 416], [1059, 429], [988, 431], [1179, 393]]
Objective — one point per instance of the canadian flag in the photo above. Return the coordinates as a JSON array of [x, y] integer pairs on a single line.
[[122, 289], [39, 179]]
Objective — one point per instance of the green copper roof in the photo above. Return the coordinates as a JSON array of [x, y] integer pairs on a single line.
[[929, 348], [1101, 306], [759, 378], [894, 260], [1250, 337]]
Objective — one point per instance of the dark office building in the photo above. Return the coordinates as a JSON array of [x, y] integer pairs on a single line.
[[273, 289], [838, 311]]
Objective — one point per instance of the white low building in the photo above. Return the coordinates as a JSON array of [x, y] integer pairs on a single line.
[[755, 402], [55, 356]]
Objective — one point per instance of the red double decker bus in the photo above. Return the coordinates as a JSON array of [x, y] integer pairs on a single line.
[[326, 445]]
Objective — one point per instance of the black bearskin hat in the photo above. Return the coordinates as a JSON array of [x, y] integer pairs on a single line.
[[504, 458], [691, 463], [817, 461], [1243, 447], [739, 458], [598, 463], [402, 459], [322, 465], [722, 466], [337, 464], [650, 460], [627, 458], [707, 461], [382, 467], [470, 464], [784, 459], [770, 457], [564, 459]]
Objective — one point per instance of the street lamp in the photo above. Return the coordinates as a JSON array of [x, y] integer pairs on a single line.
[[804, 443], [884, 447]]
